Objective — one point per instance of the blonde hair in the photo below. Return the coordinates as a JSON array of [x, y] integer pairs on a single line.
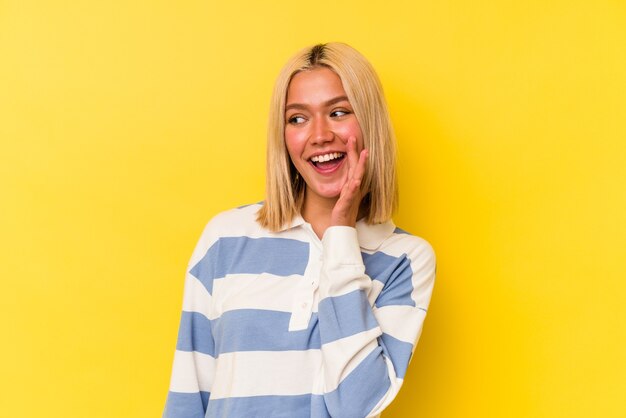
[[284, 188]]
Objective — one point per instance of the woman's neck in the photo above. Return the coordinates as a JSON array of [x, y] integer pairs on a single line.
[[317, 211]]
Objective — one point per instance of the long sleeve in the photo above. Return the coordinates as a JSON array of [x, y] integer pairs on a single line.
[[194, 359], [365, 349]]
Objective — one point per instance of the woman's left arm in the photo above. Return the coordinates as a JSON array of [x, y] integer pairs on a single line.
[[365, 350]]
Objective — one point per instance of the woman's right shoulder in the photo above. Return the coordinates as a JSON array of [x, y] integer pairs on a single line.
[[239, 221]]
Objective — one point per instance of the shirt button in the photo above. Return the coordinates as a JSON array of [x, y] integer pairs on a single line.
[[304, 305]]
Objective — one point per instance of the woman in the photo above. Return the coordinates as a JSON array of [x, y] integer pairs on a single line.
[[310, 303]]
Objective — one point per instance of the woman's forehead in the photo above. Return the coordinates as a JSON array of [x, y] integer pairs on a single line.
[[315, 86]]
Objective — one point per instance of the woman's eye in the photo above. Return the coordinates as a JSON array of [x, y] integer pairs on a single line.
[[338, 113], [295, 120]]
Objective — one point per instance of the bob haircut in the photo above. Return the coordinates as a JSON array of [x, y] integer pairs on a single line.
[[284, 187]]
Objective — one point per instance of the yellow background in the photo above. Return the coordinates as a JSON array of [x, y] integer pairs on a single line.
[[125, 126]]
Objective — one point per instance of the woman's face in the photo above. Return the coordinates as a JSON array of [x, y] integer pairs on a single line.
[[318, 122]]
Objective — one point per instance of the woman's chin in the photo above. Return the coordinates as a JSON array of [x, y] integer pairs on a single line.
[[328, 191]]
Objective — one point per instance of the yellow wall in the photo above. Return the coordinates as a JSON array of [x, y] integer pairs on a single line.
[[125, 126]]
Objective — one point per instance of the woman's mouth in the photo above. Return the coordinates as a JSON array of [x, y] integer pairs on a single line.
[[327, 163]]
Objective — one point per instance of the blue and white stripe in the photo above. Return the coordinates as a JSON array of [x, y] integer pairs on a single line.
[[286, 325]]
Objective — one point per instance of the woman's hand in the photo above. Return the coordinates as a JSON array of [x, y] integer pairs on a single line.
[[346, 209]]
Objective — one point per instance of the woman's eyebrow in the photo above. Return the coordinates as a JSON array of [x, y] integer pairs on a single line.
[[325, 104]]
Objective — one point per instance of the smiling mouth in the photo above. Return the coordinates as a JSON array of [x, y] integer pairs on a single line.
[[327, 162]]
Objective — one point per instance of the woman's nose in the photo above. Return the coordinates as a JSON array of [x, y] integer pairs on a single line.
[[322, 131]]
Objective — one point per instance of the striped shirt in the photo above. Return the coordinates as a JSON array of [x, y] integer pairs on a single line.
[[283, 324]]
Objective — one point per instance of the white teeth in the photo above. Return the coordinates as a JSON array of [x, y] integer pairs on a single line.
[[326, 157]]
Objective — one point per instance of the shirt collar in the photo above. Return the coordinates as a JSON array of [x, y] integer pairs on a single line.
[[370, 236], [296, 221]]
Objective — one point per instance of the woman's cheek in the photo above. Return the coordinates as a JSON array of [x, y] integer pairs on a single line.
[[352, 129], [295, 141]]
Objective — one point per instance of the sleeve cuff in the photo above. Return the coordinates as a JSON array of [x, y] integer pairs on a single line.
[[343, 270]]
